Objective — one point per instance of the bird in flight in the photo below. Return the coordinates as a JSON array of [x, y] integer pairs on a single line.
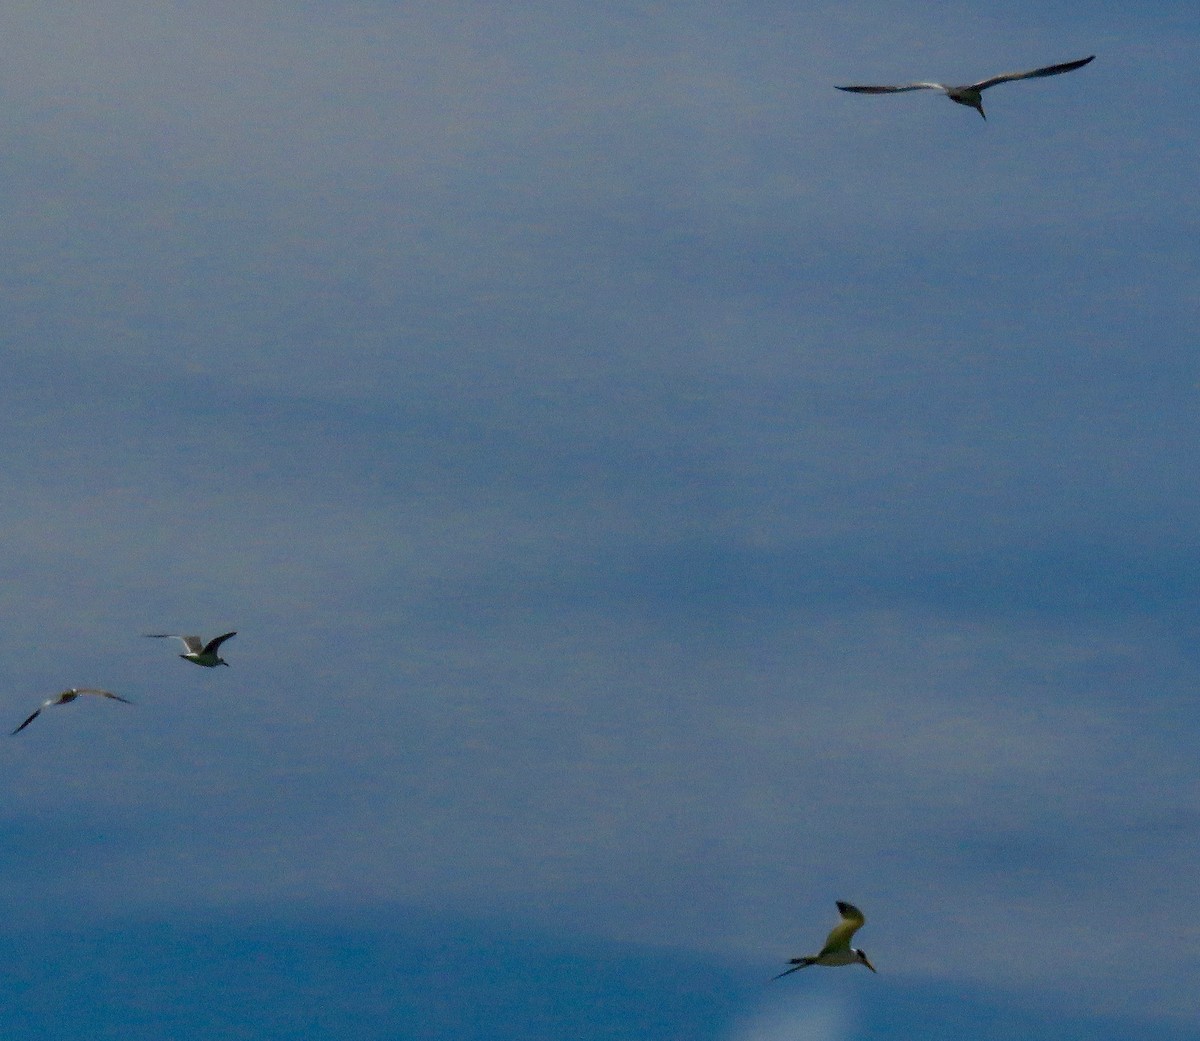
[[66, 697], [198, 652], [837, 949], [971, 94]]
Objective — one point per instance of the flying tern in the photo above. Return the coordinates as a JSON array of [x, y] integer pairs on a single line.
[[837, 949], [971, 93], [198, 652], [66, 697]]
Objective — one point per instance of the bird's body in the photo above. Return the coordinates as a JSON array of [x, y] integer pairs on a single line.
[[66, 697], [198, 652], [971, 94], [837, 949]]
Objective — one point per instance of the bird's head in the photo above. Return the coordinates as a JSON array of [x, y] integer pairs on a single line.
[[861, 956]]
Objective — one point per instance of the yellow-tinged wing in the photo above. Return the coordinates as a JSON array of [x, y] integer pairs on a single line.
[[839, 937]]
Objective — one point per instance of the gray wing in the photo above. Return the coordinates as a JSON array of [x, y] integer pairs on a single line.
[[193, 644], [216, 642], [102, 693], [1046, 70], [894, 90]]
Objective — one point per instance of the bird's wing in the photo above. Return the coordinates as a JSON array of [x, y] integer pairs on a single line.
[[1047, 70], [192, 644], [103, 694], [895, 90], [36, 713], [839, 936], [216, 642]]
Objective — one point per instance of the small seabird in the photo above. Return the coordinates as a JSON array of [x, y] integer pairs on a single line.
[[198, 652], [837, 949], [970, 94], [66, 697]]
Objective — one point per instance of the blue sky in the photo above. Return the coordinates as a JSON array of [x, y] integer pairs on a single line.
[[657, 495]]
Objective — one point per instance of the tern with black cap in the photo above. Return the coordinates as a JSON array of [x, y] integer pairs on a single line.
[[198, 652], [837, 949]]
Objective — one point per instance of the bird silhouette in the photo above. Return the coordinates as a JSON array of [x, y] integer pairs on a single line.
[[837, 949], [66, 697], [198, 652], [971, 94]]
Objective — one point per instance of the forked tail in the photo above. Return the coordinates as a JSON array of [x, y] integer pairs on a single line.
[[796, 963]]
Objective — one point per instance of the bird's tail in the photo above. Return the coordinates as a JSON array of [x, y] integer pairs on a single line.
[[797, 964]]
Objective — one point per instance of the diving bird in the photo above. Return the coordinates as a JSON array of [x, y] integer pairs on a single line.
[[198, 652], [837, 949], [971, 94], [66, 697]]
